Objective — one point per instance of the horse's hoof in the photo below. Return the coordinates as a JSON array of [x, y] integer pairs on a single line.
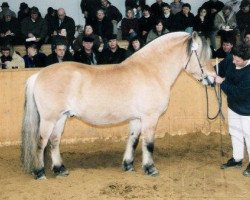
[[151, 170], [60, 171], [39, 174], [128, 166]]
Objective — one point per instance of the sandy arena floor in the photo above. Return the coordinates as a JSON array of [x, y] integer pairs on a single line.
[[188, 165]]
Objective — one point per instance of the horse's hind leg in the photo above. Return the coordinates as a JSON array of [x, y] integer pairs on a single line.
[[148, 131], [55, 138], [45, 131], [134, 134]]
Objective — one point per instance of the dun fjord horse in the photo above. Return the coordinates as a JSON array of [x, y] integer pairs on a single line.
[[137, 90]]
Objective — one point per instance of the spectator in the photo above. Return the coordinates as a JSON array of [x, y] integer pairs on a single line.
[[113, 54], [136, 5], [102, 26], [184, 20], [234, 79], [135, 44], [129, 25], [24, 11], [34, 28], [225, 23], [243, 18], [146, 23], [87, 32], [87, 54], [167, 17], [50, 18], [176, 6], [247, 38], [9, 58], [235, 4], [225, 49], [59, 55], [203, 23], [213, 7], [5, 8], [64, 22], [33, 57], [89, 9], [61, 37], [158, 30], [112, 14], [10, 29], [156, 9]]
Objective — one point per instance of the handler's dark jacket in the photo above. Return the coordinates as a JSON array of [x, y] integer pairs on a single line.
[[109, 57], [236, 86]]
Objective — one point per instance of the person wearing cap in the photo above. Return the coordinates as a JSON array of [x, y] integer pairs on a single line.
[[33, 57], [146, 23], [87, 54], [24, 11], [184, 20], [9, 58], [113, 54], [10, 29], [64, 22], [5, 8], [34, 27], [243, 18], [60, 54], [234, 80]]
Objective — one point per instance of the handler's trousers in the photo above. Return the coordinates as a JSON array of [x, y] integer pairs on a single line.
[[239, 129]]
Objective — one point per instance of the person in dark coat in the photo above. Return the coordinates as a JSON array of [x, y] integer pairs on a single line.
[[24, 11], [156, 9], [225, 49], [135, 44], [234, 80], [113, 54], [50, 18], [34, 58], [243, 18], [137, 6], [10, 29], [184, 20], [59, 55], [34, 27], [167, 16], [129, 25], [89, 9], [146, 23], [87, 54], [5, 7], [64, 22]]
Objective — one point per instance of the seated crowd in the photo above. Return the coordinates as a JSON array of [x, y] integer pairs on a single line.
[[97, 42]]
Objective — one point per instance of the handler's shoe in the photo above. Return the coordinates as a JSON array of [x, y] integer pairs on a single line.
[[247, 171], [232, 163]]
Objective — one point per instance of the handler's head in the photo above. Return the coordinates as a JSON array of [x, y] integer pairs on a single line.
[[241, 54]]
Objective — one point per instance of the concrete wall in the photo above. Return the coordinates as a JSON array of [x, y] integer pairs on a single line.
[[186, 112], [72, 7]]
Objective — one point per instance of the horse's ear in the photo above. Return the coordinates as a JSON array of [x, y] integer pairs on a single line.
[[194, 35]]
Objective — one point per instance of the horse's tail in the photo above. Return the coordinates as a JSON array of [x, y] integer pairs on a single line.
[[30, 126]]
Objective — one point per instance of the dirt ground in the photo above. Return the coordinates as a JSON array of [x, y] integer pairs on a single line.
[[188, 165]]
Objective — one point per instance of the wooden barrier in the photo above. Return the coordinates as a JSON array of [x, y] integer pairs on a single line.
[[186, 112]]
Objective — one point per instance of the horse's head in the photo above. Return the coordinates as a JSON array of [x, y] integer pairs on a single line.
[[198, 63]]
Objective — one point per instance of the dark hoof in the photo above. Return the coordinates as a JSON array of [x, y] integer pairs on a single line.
[[60, 171], [128, 166], [150, 170], [39, 174]]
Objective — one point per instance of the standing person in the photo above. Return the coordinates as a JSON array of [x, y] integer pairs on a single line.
[[176, 6], [243, 18], [156, 9], [234, 79], [129, 25], [113, 54], [87, 54], [64, 22], [89, 9], [5, 7], [112, 13], [158, 30], [184, 20], [24, 11]]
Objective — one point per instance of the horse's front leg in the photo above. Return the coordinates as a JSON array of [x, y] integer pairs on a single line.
[[148, 133], [55, 138], [133, 140]]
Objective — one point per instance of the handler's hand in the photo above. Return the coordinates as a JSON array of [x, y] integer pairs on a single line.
[[219, 80]]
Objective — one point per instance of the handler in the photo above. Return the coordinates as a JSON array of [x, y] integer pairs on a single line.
[[234, 77]]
